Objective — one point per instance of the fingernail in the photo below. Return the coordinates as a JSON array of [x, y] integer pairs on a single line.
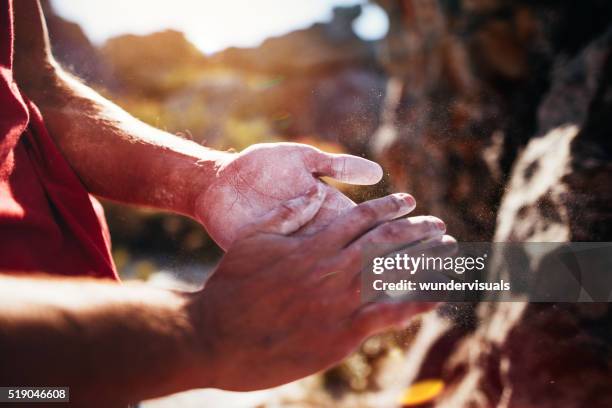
[[406, 200], [440, 225]]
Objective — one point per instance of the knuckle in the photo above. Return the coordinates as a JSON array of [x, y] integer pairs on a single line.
[[427, 224], [367, 212], [394, 204], [392, 230], [435, 224], [339, 164]]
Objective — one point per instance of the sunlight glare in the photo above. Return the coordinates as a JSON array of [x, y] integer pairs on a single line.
[[210, 25]]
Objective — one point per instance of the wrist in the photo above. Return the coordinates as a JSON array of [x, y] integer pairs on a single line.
[[205, 173], [204, 366], [190, 178]]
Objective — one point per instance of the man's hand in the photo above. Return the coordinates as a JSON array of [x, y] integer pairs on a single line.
[[263, 176], [120, 158], [281, 306]]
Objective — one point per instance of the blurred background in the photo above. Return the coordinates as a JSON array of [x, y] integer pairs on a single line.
[[494, 114]]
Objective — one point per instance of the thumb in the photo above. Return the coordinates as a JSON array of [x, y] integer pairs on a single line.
[[344, 167], [290, 215]]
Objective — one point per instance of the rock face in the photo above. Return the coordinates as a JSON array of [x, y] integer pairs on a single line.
[[469, 78], [548, 355]]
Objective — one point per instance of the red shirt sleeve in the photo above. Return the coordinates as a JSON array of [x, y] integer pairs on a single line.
[[48, 221]]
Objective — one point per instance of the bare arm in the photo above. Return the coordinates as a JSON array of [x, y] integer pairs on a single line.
[[112, 344], [115, 155], [278, 307], [118, 157]]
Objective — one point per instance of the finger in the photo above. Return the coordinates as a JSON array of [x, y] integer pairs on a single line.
[[375, 318], [443, 246], [394, 235], [290, 215], [344, 167], [439, 246], [356, 221]]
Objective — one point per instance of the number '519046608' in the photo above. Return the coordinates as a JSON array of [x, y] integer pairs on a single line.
[[34, 394]]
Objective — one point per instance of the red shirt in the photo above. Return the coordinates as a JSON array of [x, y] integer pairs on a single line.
[[48, 221]]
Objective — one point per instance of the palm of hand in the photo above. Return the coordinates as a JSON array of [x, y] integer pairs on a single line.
[[264, 176]]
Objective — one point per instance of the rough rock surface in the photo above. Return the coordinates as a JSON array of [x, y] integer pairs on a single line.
[[549, 355]]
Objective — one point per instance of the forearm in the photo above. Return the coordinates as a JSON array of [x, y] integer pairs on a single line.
[[109, 343], [117, 156]]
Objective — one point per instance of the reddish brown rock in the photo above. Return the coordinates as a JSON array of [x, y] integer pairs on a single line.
[[549, 355]]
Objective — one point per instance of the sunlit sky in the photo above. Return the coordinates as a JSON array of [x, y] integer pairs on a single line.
[[212, 25]]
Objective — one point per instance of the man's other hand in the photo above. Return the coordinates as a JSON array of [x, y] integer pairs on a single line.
[[281, 306], [263, 176]]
